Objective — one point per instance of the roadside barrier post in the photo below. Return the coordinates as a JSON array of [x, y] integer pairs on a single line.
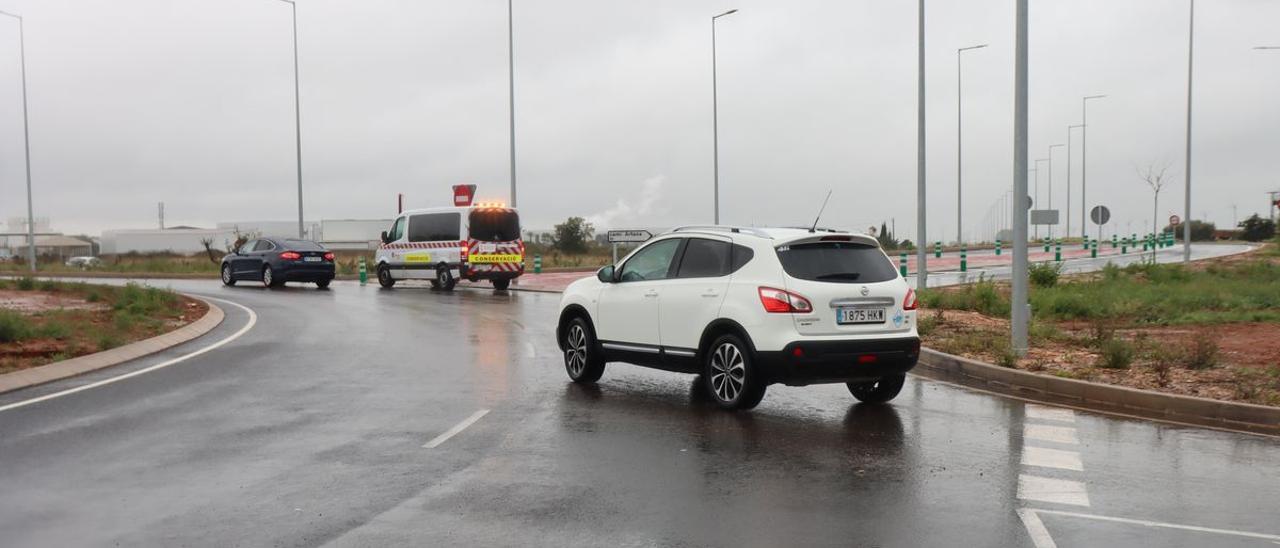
[[1047, 243], [1124, 246], [1057, 251], [537, 264], [997, 248], [902, 264], [1113, 241], [937, 250], [364, 272], [964, 258], [1093, 252], [1085, 242]]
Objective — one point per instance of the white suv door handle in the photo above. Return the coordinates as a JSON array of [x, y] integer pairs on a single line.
[[711, 293], [651, 293]]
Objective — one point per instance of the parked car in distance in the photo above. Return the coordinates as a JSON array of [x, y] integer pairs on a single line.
[[274, 261], [746, 308], [84, 262]]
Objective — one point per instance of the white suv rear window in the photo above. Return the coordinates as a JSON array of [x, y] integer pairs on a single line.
[[838, 262]]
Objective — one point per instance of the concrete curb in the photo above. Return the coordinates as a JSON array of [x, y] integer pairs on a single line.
[[1105, 398], [92, 362]]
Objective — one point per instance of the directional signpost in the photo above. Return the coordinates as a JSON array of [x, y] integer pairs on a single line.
[[627, 237]]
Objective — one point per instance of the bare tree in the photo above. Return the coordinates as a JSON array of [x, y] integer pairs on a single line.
[[208, 249], [1156, 175]]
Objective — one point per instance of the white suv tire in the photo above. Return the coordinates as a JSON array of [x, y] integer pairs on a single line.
[[733, 382]]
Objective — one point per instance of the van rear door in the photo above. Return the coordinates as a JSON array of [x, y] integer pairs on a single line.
[[494, 241]]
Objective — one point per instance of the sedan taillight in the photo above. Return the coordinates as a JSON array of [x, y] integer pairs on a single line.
[[780, 301], [290, 255]]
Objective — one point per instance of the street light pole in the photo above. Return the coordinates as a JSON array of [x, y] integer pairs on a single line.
[[715, 119], [1020, 313], [297, 114], [1050, 159], [1036, 201], [1186, 218], [1068, 214], [26, 139], [1084, 160], [960, 141], [511, 95], [922, 269]]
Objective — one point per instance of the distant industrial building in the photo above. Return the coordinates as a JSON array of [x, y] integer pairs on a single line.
[[342, 234], [62, 247], [182, 240]]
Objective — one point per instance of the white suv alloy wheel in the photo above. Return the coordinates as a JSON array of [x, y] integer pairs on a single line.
[[728, 372]]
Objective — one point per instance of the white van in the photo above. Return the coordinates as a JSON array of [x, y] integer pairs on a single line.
[[447, 244]]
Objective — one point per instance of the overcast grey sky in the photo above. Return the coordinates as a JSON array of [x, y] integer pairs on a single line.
[[190, 102]]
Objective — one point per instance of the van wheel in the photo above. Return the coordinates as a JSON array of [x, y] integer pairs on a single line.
[[444, 279], [227, 277], [501, 285], [878, 391], [581, 357], [323, 284], [732, 379], [384, 277]]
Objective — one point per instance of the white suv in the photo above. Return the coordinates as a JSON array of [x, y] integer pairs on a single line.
[[745, 308]]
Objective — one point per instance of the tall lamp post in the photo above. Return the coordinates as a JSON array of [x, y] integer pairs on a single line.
[[1020, 313], [960, 140], [1084, 160], [511, 95], [1186, 226], [1036, 191], [26, 139], [1067, 232], [715, 118], [922, 259], [297, 115], [1050, 159]]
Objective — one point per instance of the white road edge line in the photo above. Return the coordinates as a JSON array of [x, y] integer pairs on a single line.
[[253, 319], [1147, 523], [1036, 529], [435, 442]]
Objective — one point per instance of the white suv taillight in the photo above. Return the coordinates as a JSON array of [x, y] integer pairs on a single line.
[[783, 302], [909, 302]]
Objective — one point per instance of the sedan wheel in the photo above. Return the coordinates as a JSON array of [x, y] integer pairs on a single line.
[[269, 279], [227, 278]]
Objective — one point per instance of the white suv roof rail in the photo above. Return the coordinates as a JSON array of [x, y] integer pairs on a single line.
[[718, 228]]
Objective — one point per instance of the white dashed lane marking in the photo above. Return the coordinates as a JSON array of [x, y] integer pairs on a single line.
[[1052, 490], [1043, 457], [436, 441], [1055, 434], [1055, 414]]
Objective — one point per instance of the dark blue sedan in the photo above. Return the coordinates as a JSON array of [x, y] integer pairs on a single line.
[[274, 261]]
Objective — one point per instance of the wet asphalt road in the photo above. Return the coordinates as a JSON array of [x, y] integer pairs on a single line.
[[309, 429]]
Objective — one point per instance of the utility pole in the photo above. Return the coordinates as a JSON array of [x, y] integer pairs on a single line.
[[922, 236], [1186, 220], [511, 95], [715, 120], [1067, 233], [26, 140], [1084, 161], [960, 141], [1051, 147], [1020, 313]]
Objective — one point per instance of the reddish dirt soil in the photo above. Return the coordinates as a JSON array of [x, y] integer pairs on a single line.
[[88, 321], [1247, 368]]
